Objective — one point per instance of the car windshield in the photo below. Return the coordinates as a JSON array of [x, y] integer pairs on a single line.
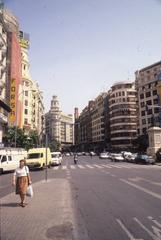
[[54, 155], [34, 155]]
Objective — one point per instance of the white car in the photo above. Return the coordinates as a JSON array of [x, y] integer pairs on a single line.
[[104, 155], [56, 158], [117, 157]]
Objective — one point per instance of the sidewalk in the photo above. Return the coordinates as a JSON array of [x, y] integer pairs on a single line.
[[48, 215]]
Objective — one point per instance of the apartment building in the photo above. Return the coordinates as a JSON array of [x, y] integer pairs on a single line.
[[123, 114], [59, 126], [92, 125], [4, 103], [98, 114], [67, 130], [30, 96], [148, 85]]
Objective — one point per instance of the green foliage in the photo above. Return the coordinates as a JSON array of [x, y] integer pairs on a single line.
[[54, 145], [141, 143], [23, 140], [158, 155]]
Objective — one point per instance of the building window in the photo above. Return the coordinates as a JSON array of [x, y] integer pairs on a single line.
[[142, 96], [148, 94], [156, 110], [142, 113], [26, 93], [26, 103], [155, 101], [149, 102], [142, 104], [26, 111], [25, 121], [149, 120], [149, 111], [154, 92], [143, 121]]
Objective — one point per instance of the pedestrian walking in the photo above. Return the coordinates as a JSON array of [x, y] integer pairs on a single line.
[[75, 158], [21, 179]]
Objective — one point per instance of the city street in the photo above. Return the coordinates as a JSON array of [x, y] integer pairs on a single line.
[[108, 201]]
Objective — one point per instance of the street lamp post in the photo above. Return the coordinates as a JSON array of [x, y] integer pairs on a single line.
[[16, 118], [46, 145]]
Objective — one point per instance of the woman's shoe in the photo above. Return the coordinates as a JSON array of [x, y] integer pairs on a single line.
[[22, 204]]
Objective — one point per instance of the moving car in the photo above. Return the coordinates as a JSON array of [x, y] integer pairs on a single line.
[[56, 158], [39, 158], [144, 159]]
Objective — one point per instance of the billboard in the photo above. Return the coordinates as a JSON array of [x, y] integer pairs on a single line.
[[24, 40], [13, 101], [15, 79]]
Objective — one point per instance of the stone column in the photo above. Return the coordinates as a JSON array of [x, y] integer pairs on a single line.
[[154, 134]]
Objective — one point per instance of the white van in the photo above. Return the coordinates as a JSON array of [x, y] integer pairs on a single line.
[[9, 158], [56, 158]]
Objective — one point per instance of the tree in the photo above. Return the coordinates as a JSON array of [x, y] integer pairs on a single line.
[[141, 143], [54, 145], [158, 155], [22, 139]]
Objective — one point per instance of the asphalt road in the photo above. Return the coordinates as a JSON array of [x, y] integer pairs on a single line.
[[112, 201]]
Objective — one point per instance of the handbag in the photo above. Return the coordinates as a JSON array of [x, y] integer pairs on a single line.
[[29, 192]]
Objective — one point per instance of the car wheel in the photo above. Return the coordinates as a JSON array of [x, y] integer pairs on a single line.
[[1, 170]]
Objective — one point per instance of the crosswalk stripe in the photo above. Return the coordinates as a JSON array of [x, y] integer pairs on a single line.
[[81, 167], [115, 166], [97, 166], [124, 166], [72, 167], [56, 168], [101, 166], [106, 166], [89, 166]]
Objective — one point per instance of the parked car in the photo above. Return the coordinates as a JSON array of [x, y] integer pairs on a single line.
[[56, 158], [92, 153], [131, 157], [104, 155], [144, 159], [117, 157]]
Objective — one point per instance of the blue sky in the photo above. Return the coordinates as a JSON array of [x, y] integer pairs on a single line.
[[79, 48]]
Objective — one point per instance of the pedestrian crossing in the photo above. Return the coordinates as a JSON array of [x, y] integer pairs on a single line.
[[105, 166]]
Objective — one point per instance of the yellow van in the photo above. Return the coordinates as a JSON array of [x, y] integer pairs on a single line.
[[39, 158]]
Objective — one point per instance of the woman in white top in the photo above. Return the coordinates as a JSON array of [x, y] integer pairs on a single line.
[[21, 179]]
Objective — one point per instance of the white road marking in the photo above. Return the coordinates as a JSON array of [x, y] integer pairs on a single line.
[[115, 166], [64, 167], [56, 168], [128, 233], [142, 189], [154, 237], [124, 166], [97, 166], [138, 179], [81, 167], [89, 166], [72, 167], [106, 166], [155, 221]]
